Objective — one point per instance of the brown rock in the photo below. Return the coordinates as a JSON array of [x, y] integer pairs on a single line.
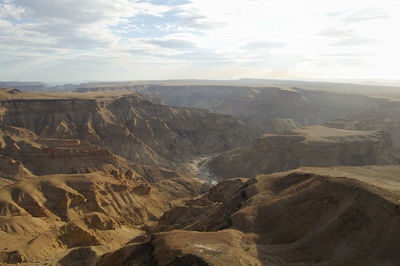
[[310, 146]]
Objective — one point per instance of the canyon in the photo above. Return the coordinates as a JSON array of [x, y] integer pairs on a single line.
[[198, 173], [309, 146]]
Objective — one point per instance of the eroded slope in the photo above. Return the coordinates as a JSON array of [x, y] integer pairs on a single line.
[[309, 216], [47, 216], [310, 146], [127, 126]]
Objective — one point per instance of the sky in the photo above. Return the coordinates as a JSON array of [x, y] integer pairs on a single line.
[[111, 40]]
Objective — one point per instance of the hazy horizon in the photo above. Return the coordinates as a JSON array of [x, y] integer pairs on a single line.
[[122, 40], [265, 81]]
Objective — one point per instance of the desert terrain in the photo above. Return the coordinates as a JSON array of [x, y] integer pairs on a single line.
[[251, 172]]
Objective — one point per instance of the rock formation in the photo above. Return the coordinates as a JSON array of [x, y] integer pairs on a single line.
[[384, 117], [265, 109], [280, 107], [325, 216], [310, 146], [50, 214], [90, 178], [128, 126], [72, 173]]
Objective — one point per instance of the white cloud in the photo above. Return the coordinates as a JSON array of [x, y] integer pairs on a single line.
[[8, 10], [234, 38]]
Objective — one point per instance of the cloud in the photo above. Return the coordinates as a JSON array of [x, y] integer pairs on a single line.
[[86, 12], [346, 37], [171, 43], [341, 55], [168, 2], [364, 15], [197, 22], [337, 32], [336, 13], [354, 41], [72, 23], [220, 37], [10, 11], [257, 45]]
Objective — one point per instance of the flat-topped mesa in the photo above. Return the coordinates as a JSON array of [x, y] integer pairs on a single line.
[[384, 117], [310, 146], [54, 156], [317, 137]]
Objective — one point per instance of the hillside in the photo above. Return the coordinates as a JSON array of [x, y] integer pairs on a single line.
[[109, 178], [265, 109], [384, 116], [43, 218], [308, 216], [265, 106], [309, 146], [126, 125]]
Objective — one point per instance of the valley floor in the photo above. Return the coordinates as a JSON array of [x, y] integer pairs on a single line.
[[198, 168]]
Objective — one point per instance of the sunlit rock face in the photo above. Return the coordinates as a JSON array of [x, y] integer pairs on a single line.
[[93, 179], [128, 126]]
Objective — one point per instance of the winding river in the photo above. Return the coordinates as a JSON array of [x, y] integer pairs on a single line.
[[198, 168]]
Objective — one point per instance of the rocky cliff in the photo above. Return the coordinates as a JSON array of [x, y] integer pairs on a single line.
[[265, 109], [73, 170], [272, 109], [384, 117], [95, 178], [45, 217], [309, 216], [127, 126], [310, 146]]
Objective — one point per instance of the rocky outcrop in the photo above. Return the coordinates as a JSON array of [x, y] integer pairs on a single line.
[[43, 159], [301, 217], [72, 235], [74, 189], [265, 109], [49, 214], [72, 178], [384, 117], [311, 146], [229, 247], [12, 169], [128, 126]]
